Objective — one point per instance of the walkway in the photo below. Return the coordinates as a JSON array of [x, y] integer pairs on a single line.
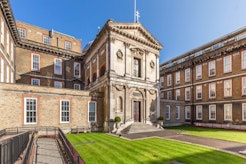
[[222, 145], [47, 152]]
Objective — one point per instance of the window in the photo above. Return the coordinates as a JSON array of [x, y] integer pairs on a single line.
[[7, 43], [243, 59], [227, 88], [102, 70], [177, 77], [58, 66], [169, 95], [199, 92], [187, 112], [199, 72], [169, 80], [46, 40], [199, 112], [76, 86], [65, 111], [76, 69], [162, 81], [177, 114], [187, 94], [212, 112], [67, 45], [227, 64], [2, 31], [35, 81], [178, 94], [212, 90], [136, 67], [2, 70], [30, 111], [35, 62], [58, 84], [92, 111], [211, 68], [162, 95], [227, 111], [187, 75], [22, 33], [244, 85], [168, 112], [244, 111]]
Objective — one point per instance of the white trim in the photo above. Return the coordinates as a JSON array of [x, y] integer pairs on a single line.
[[243, 86], [177, 77], [66, 111], [212, 107], [198, 90], [229, 92], [225, 69], [32, 123], [198, 110], [34, 69], [187, 109], [38, 80], [230, 110], [55, 63], [199, 72], [187, 78], [95, 111], [210, 64], [177, 112], [243, 59], [209, 90], [168, 111]]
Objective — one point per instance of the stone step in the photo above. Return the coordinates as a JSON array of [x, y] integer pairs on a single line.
[[138, 127]]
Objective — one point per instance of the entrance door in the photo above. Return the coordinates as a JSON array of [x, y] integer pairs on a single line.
[[137, 113]]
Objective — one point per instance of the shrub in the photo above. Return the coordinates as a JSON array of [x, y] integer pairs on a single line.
[[117, 119], [160, 118]]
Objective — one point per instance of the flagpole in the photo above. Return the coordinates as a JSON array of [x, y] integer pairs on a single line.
[[135, 10]]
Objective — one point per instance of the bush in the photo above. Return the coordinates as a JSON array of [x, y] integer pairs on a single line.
[[160, 118], [117, 119]]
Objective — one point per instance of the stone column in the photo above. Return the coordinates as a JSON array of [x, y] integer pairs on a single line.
[[98, 69]]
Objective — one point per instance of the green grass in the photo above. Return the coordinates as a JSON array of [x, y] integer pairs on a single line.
[[223, 134], [103, 148]]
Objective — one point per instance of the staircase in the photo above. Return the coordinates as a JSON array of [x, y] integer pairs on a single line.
[[138, 127]]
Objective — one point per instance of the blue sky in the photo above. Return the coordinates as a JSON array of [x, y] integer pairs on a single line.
[[180, 25]]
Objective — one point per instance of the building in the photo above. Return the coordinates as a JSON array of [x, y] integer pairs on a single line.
[[51, 58], [207, 85], [122, 63]]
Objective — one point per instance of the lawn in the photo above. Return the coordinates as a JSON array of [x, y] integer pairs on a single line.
[[229, 135], [103, 148]]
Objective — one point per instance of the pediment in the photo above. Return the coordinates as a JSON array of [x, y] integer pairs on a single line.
[[135, 31]]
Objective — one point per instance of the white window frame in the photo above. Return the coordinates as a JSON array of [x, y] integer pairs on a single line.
[[76, 86], [68, 45], [177, 77], [35, 81], [199, 72], [243, 59], [227, 64], [212, 109], [212, 68], [228, 88], [187, 75], [35, 57], [74, 69], [46, 39], [198, 111], [65, 111], [169, 95], [95, 120], [243, 111], [58, 64], [57, 84], [168, 114], [244, 85], [211, 85], [35, 110], [169, 80], [187, 110], [22, 33], [187, 98], [199, 92], [227, 112], [177, 112], [177, 94]]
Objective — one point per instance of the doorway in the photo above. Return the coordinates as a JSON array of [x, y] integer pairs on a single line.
[[137, 111]]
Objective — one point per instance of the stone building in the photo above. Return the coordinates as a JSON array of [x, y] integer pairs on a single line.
[[51, 58], [210, 82], [122, 63]]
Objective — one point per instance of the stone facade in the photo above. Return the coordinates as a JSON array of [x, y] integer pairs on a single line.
[[210, 80], [123, 64]]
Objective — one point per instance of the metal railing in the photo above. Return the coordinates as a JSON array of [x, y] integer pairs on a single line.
[[10, 149]]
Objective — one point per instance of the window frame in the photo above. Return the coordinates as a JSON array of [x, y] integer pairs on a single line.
[[57, 82], [25, 111], [227, 64], [198, 110], [35, 62], [46, 40], [169, 80], [243, 85], [229, 81], [74, 70], [22, 32], [177, 77], [211, 66], [68, 47], [95, 115], [225, 112], [187, 77], [169, 95], [212, 108], [137, 67], [186, 97], [210, 90], [177, 94], [187, 110], [168, 112], [61, 112], [243, 111], [75, 87], [177, 112], [243, 59], [33, 81], [198, 92], [57, 65], [199, 72]]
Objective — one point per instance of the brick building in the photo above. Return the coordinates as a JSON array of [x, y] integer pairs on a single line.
[[210, 82]]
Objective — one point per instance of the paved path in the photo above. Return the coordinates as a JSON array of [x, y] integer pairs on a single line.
[[47, 152], [227, 146]]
